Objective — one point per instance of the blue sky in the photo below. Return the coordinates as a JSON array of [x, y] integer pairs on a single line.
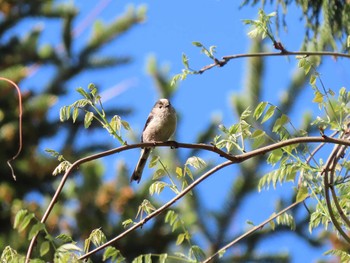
[[168, 32]]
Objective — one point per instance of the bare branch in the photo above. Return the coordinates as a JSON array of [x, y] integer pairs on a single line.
[[221, 62], [19, 125], [251, 231]]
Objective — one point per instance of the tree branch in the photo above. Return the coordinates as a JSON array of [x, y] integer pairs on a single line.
[[232, 159], [159, 210], [19, 125], [254, 229], [222, 62]]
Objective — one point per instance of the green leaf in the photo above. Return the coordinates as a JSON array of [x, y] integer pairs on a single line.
[[222, 252], [257, 134], [302, 194], [343, 255], [19, 217], [126, 125], [318, 97], [197, 44], [35, 230], [157, 187], [348, 42], [180, 239], [75, 114], [159, 174], [269, 113], [198, 253], [178, 171], [185, 63], [147, 258], [44, 248], [154, 160], [115, 123], [313, 79], [163, 257], [127, 222], [97, 237], [195, 162], [280, 122], [246, 113], [259, 138], [111, 253], [259, 109], [63, 114], [249, 222], [25, 222], [88, 119], [64, 238], [275, 156], [83, 93]]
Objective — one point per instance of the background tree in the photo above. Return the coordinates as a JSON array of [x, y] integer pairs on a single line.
[[88, 202]]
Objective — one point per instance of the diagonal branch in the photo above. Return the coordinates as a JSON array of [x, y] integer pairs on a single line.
[[251, 231], [159, 210]]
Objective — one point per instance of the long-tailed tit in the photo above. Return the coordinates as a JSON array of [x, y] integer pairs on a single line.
[[159, 127]]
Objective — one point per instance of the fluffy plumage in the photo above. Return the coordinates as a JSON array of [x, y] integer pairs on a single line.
[[159, 127]]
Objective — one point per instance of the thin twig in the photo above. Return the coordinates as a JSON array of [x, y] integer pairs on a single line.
[[225, 59], [254, 229], [19, 125]]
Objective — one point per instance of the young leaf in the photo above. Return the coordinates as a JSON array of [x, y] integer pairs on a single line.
[[197, 44], [157, 187], [302, 193], [198, 253], [195, 162], [270, 111], [88, 119], [222, 252], [83, 93], [25, 222], [162, 258], [44, 248], [127, 222], [318, 97], [65, 238], [113, 254], [275, 156], [185, 63], [75, 114], [154, 160], [159, 174], [19, 217], [35, 230], [259, 109], [180, 239]]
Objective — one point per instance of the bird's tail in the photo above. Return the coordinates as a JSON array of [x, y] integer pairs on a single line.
[[136, 175]]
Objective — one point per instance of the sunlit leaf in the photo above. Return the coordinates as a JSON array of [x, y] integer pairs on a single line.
[[318, 97], [302, 193], [259, 109], [44, 248], [269, 113], [88, 119]]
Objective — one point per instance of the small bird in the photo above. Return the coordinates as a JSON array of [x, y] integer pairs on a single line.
[[159, 127]]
